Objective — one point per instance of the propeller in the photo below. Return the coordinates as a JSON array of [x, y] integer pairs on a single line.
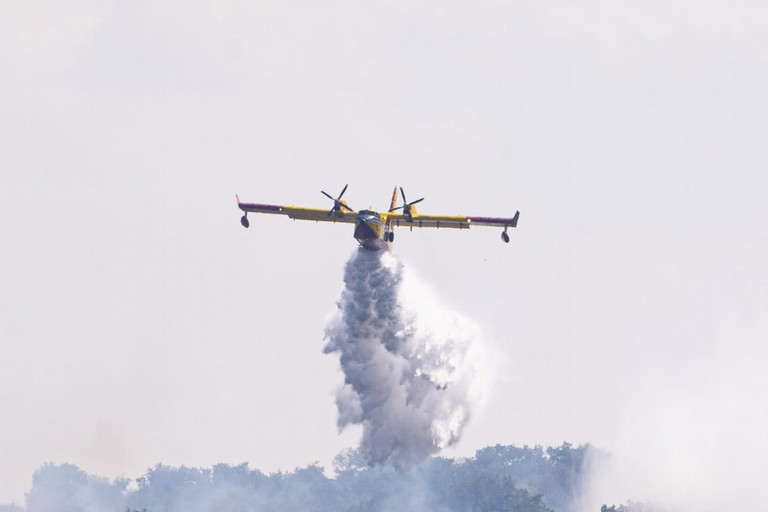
[[337, 204], [406, 207]]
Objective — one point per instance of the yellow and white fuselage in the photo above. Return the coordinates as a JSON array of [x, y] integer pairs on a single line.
[[371, 231]]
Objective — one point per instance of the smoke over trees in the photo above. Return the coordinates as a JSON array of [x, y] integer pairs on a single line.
[[498, 479]]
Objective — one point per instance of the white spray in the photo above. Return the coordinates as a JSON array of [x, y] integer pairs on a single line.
[[411, 367]]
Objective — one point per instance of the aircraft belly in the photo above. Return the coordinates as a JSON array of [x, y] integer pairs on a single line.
[[370, 235]]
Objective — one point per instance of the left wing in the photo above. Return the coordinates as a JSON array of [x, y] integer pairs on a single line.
[[447, 221]]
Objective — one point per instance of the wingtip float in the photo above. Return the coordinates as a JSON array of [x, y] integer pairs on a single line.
[[375, 230]]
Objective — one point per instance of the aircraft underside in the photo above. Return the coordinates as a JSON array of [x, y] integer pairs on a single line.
[[368, 236]]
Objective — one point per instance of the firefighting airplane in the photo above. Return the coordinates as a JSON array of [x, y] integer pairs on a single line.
[[374, 230]]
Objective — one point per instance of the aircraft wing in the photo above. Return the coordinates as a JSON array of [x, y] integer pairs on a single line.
[[447, 221], [298, 212]]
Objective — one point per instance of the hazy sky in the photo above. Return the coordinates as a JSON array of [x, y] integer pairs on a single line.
[[140, 323]]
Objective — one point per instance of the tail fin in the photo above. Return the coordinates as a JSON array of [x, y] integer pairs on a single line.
[[393, 203]]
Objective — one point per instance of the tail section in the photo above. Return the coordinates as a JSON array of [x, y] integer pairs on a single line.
[[393, 203]]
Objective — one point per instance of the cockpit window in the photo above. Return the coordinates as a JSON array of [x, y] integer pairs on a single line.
[[368, 213]]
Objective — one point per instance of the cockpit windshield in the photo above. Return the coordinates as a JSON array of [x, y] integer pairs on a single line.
[[367, 214]]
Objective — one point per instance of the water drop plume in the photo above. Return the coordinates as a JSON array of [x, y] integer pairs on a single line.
[[411, 367]]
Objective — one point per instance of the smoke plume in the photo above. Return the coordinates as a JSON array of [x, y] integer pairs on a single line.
[[411, 367]]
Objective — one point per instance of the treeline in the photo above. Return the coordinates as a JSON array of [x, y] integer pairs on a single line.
[[498, 479]]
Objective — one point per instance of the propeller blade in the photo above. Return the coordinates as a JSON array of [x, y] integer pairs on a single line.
[[402, 193], [416, 201], [396, 208], [337, 204]]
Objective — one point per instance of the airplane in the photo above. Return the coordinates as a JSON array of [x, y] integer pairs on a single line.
[[375, 230]]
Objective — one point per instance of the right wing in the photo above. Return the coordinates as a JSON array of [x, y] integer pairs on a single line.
[[299, 213]]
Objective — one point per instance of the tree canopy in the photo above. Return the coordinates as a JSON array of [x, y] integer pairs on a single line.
[[497, 479]]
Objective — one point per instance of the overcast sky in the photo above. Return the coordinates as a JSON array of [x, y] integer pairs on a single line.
[[141, 324]]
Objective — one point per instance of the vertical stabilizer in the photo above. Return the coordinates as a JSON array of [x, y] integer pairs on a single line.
[[393, 203]]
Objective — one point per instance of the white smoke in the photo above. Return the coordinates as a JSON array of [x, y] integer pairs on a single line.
[[695, 440], [411, 367]]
